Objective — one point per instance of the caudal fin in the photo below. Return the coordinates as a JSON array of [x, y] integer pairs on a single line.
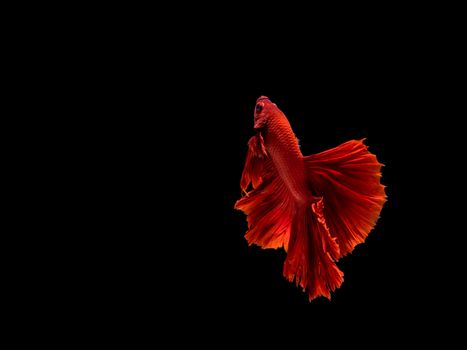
[[348, 179], [312, 253]]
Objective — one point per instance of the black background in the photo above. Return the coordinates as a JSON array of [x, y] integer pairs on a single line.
[[180, 133], [142, 242]]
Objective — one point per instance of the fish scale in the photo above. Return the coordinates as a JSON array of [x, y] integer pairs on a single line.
[[282, 145]]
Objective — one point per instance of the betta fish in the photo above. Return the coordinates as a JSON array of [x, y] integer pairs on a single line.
[[318, 207]]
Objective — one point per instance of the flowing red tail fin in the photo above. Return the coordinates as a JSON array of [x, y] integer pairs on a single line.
[[348, 179], [312, 253]]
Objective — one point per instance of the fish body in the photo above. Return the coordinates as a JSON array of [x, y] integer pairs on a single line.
[[318, 207], [282, 147]]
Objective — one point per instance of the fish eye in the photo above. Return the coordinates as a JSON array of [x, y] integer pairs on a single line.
[[259, 107]]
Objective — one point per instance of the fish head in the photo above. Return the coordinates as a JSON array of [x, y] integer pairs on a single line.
[[264, 108]]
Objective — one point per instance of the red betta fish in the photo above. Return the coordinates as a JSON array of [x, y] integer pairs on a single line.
[[317, 207]]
